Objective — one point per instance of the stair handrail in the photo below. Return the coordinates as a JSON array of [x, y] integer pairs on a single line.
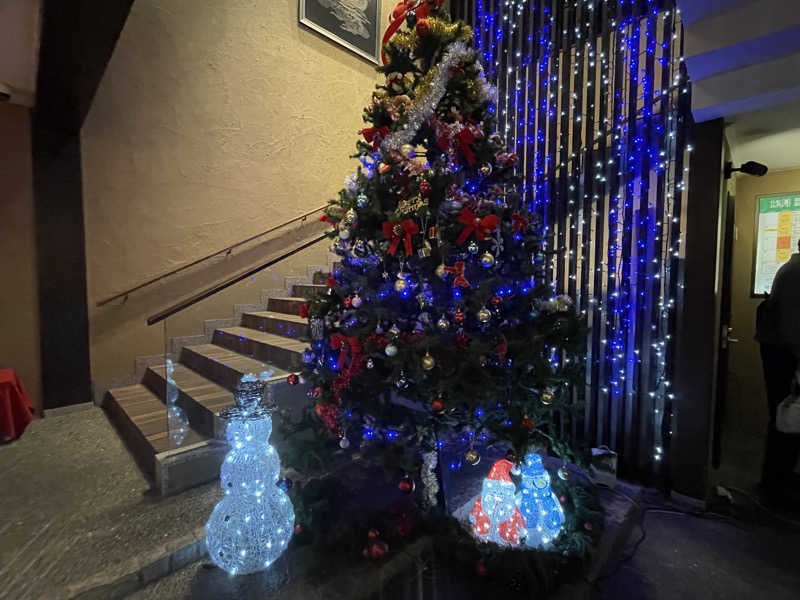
[[218, 287], [226, 250]]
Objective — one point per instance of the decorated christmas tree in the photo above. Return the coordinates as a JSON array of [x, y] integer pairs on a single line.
[[440, 321]]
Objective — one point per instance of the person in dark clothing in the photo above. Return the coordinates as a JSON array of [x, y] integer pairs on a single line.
[[778, 333]]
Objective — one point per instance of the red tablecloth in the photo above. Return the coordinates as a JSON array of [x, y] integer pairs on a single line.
[[16, 410]]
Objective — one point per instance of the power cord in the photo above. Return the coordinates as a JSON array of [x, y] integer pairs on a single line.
[[756, 501], [640, 524]]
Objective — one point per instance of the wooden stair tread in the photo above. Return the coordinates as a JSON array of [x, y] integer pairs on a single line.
[[202, 390], [238, 362], [149, 414], [266, 314], [263, 337]]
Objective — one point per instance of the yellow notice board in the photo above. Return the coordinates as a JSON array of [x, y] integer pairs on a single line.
[[777, 232]]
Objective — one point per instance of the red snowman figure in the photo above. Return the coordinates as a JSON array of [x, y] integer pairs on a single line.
[[495, 516]]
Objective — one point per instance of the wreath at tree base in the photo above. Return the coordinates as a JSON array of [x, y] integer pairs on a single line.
[[374, 540]]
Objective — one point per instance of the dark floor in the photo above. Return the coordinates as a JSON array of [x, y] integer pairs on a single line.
[[689, 557]]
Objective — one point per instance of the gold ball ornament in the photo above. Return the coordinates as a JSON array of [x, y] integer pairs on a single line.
[[383, 168], [407, 150], [487, 260], [428, 362], [443, 324], [472, 457], [400, 284], [547, 397], [484, 315], [486, 170], [563, 473], [440, 272]]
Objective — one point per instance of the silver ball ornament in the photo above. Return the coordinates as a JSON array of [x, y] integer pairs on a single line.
[[390, 350]]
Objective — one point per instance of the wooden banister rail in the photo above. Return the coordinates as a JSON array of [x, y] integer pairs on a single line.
[[226, 250], [210, 291]]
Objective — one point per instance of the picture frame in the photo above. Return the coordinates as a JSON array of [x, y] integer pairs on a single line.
[[353, 24]]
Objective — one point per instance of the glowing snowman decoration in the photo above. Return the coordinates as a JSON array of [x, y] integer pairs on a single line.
[[252, 525], [495, 516], [540, 507]]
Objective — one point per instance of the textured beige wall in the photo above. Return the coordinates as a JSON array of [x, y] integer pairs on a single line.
[[19, 303], [747, 406], [214, 121]]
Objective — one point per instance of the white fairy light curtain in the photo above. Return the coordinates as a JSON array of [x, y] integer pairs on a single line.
[[594, 97]]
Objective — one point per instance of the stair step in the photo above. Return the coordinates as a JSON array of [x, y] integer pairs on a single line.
[[308, 290], [141, 418], [224, 366], [291, 326], [289, 306], [283, 352], [201, 398]]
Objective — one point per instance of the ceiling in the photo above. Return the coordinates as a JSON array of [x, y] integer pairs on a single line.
[[20, 24], [743, 57]]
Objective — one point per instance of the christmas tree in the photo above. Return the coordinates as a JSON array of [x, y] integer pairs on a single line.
[[440, 320]]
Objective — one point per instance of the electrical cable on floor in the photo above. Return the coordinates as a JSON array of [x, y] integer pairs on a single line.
[[755, 501], [713, 516]]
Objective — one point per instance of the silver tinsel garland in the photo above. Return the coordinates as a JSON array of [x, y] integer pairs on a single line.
[[430, 483], [426, 106]]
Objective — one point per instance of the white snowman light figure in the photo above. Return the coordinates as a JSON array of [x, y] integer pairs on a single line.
[[495, 516], [543, 514], [252, 525]]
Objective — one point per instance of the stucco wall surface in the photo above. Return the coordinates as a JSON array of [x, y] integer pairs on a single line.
[[214, 121], [19, 301]]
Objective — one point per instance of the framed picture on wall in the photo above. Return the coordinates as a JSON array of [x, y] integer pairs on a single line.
[[350, 23]]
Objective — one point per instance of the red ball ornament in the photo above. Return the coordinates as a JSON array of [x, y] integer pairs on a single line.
[[406, 485], [562, 499], [423, 27], [424, 188], [480, 568], [459, 317], [298, 529], [292, 379], [528, 423], [437, 405], [496, 300], [587, 526], [317, 392], [373, 534], [376, 550], [347, 302]]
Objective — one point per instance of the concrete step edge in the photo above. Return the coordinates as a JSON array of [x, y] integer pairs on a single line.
[[142, 570]]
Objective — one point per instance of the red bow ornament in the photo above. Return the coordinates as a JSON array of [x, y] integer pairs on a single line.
[[465, 139], [519, 222], [458, 270], [346, 345], [374, 135], [473, 224], [400, 230]]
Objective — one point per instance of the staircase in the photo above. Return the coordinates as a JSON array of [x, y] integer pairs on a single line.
[[270, 338]]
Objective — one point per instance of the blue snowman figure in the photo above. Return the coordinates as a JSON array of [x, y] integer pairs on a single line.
[[541, 509], [252, 525]]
